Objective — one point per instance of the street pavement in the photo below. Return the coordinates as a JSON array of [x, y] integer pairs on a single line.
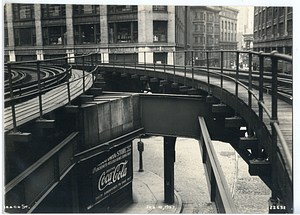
[[249, 193]]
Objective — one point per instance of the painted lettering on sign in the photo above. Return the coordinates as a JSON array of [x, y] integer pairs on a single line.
[[112, 175]]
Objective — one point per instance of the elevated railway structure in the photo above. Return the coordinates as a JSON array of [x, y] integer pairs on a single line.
[[251, 110]]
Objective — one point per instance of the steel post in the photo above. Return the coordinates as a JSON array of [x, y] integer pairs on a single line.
[[83, 75], [68, 81], [169, 159], [222, 65], [274, 133], [250, 131], [208, 84], [39, 88], [12, 98], [236, 83]]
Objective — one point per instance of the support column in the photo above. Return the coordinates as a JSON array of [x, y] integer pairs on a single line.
[[70, 37], [169, 159], [104, 56], [10, 31], [103, 25], [38, 32], [145, 24], [145, 55], [170, 58], [171, 24]]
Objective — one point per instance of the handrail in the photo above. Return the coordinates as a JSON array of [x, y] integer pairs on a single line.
[[252, 93], [209, 155], [37, 164], [185, 66]]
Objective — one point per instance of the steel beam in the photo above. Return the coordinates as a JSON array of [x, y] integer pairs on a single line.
[[169, 159]]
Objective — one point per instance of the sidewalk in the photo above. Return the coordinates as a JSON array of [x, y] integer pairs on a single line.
[[148, 195]]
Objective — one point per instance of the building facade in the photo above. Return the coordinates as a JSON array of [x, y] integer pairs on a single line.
[[228, 33], [205, 33], [42, 31], [273, 29]]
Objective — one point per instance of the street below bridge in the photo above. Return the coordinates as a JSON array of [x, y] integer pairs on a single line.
[[250, 194]]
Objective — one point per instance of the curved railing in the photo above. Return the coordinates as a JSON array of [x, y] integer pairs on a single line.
[[183, 64], [192, 69]]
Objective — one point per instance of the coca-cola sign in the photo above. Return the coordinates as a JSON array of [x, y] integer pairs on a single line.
[[111, 174]]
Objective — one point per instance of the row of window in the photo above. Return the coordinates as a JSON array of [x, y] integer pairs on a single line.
[[26, 11], [272, 13], [210, 16], [209, 40], [209, 28], [277, 30], [225, 27], [228, 37], [121, 32]]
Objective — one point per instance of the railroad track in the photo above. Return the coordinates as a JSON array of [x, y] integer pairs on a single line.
[[24, 90]]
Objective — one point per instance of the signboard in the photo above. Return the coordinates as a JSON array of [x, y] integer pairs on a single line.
[[112, 174]]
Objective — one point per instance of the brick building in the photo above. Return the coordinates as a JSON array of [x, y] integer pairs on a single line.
[[42, 31], [273, 29]]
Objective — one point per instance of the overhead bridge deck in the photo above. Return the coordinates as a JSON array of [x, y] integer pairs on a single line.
[[225, 104]]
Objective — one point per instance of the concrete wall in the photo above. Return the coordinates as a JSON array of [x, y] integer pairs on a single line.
[[108, 117]]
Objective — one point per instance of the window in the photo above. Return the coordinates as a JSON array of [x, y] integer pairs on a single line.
[[54, 35], [209, 40], [202, 39], [290, 27], [210, 29], [281, 29], [196, 39], [159, 8], [202, 28], [196, 27], [5, 37], [53, 10], [121, 8], [232, 26], [86, 9], [122, 32], [222, 36], [270, 11], [210, 17], [228, 36], [202, 15], [275, 13], [25, 37], [275, 30], [160, 31], [235, 27], [225, 24], [281, 11], [87, 34], [23, 11], [222, 24], [225, 36], [216, 30]]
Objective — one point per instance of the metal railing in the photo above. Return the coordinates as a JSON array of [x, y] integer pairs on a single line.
[[188, 64], [218, 187]]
